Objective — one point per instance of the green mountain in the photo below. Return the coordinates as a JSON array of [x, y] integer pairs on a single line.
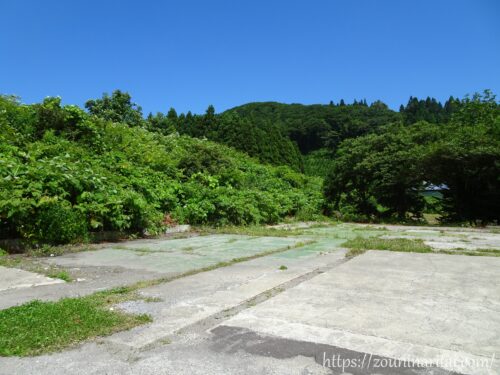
[[316, 126]]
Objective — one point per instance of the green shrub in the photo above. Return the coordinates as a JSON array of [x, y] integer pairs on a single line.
[[58, 223]]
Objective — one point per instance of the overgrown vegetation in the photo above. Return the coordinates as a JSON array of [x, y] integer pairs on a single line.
[[264, 141], [65, 174], [382, 165], [359, 245], [252, 230]]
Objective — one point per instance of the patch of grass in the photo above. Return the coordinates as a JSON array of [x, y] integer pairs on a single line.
[[486, 250], [476, 252], [46, 250], [144, 251], [140, 251], [120, 247], [33, 265], [354, 253], [63, 275], [253, 230], [283, 268], [165, 341], [368, 228], [10, 261], [152, 299], [41, 327], [359, 245], [325, 222], [432, 219]]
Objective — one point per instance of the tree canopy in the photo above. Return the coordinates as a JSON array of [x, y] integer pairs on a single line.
[[384, 174]]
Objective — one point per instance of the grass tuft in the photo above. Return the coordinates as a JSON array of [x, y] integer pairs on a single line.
[[359, 245], [476, 252], [252, 230], [63, 275]]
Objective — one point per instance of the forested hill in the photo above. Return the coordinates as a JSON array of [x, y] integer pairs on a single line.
[[277, 133], [265, 141], [316, 126]]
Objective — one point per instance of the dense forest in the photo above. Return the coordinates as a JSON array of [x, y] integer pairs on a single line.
[[67, 173]]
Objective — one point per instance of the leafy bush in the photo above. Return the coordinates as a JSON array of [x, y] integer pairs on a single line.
[[57, 223]]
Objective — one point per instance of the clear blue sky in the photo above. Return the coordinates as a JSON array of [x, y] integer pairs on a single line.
[[189, 54]]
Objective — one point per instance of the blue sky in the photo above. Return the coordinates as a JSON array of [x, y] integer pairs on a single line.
[[189, 54]]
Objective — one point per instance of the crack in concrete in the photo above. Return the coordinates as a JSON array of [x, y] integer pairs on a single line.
[[216, 319]]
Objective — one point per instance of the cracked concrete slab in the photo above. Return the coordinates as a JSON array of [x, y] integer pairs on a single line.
[[188, 300], [393, 305], [175, 256], [183, 303], [13, 278], [132, 261], [95, 279]]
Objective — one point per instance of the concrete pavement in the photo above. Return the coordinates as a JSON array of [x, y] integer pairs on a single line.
[[321, 313], [13, 278], [397, 305]]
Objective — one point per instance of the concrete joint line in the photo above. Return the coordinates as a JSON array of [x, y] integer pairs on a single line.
[[217, 318]]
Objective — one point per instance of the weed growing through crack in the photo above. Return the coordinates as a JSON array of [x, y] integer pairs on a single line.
[[63, 275], [359, 245]]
